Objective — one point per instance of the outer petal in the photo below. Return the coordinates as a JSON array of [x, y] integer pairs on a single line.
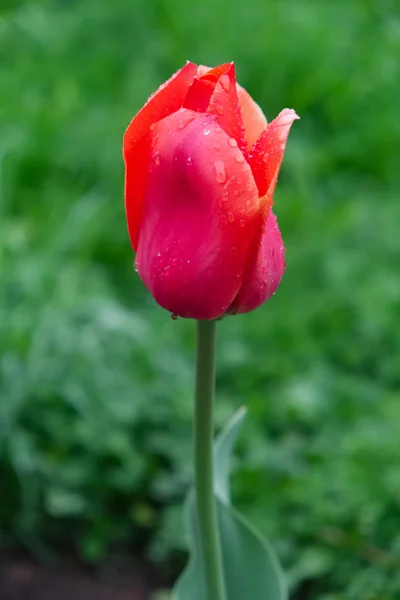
[[200, 218], [262, 279], [267, 154], [254, 119], [137, 142]]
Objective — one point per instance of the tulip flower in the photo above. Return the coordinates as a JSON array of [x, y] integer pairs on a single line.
[[201, 168]]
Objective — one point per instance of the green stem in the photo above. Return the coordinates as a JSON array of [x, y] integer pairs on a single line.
[[203, 441]]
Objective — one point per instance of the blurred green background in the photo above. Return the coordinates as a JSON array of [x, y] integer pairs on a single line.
[[96, 380]]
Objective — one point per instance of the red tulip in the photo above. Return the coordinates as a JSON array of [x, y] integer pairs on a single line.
[[201, 168]]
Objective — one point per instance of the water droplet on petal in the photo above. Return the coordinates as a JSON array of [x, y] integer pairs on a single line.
[[250, 188], [219, 109], [183, 121], [241, 223], [182, 110], [156, 158], [225, 82], [174, 316], [232, 142], [135, 267], [231, 217], [239, 180], [218, 130], [206, 132], [154, 141], [239, 158], [189, 161], [220, 173], [266, 157]]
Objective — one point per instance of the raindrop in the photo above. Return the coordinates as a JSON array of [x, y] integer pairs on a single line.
[[239, 158], [218, 130], [135, 268], [266, 157], [174, 316], [156, 158], [206, 132], [220, 173], [189, 161], [232, 142], [241, 223], [225, 82], [250, 188], [154, 141], [185, 121], [219, 109], [231, 217]]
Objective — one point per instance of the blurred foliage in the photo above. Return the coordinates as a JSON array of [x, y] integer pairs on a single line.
[[96, 381]]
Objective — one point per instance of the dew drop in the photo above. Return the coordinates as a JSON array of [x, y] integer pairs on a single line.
[[181, 111], [219, 109], [218, 130], [232, 142], [266, 157], [225, 82], [248, 202], [250, 188], [154, 141], [236, 192], [156, 158], [241, 223], [189, 161], [220, 173], [206, 132], [231, 217], [174, 316], [239, 158], [183, 121], [135, 268]]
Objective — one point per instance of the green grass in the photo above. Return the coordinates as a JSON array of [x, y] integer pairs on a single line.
[[96, 381]]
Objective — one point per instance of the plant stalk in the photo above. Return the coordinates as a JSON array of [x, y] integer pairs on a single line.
[[203, 442]]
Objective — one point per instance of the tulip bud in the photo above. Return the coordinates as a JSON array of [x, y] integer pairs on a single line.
[[201, 169]]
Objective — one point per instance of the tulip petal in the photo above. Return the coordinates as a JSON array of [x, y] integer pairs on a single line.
[[267, 154], [224, 103], [264, 276], [200, 92], [200, 217], [254, 119], [137, 142]]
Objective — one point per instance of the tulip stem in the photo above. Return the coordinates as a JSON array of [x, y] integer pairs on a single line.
[[203, 442]]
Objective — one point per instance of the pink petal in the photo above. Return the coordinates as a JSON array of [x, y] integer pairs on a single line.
[[200, 220], [264, 276]]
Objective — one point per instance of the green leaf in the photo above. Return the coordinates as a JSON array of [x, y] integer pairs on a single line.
[[251, 569]]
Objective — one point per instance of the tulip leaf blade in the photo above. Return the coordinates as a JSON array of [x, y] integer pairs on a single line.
[[251, 569]]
